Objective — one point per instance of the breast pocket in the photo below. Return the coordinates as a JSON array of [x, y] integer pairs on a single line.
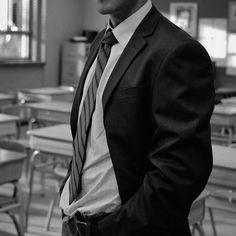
[[127, 93], [127, 107]]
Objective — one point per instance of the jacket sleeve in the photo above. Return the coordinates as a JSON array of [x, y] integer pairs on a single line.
[[182, 103]]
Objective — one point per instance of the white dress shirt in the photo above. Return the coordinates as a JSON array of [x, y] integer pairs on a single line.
[[99, 186]]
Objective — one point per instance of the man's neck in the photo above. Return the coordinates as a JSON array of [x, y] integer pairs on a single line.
[[116, 19]]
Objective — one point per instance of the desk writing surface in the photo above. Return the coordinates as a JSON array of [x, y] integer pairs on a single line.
[[60, 132], [225, 109], [225, 90], [59, 106], [50, 90], [53, 111], [65, 93], [54, 140], [229, 101]]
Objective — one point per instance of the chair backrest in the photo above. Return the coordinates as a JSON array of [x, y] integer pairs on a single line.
[[15, 171]]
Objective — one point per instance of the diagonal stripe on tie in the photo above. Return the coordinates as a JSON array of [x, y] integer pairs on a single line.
[[80, 140]]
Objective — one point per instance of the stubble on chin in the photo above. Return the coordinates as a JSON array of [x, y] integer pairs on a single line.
[[103, 7]]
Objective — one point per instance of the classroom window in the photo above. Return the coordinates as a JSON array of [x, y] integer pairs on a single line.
[[213, 36], [21, 30]]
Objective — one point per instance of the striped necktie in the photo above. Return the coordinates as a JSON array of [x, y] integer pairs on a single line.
[[84, 123]]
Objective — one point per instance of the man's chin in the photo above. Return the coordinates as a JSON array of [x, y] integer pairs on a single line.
[[104, 7], [103, 11]]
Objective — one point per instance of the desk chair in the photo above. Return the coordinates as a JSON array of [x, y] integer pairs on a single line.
[[223, 198], [197, 213], [14, 202], [60, 174], [56, 170]]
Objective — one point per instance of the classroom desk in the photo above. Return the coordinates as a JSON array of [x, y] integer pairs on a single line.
[[8, 125], [223, 122], [65, 93], [222, 184], [54, 140], [224, 93], [224, 167], [10, 172], [229, 101], [224, 115], [224, 90], [52, 112], [5, 100]]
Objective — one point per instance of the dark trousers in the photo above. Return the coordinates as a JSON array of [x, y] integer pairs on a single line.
[[78, 225], [72, 227]]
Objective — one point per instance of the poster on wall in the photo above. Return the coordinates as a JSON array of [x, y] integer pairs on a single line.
[[184, 15], [232, 16]]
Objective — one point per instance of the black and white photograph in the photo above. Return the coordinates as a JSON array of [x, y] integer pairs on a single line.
[[117, 118]]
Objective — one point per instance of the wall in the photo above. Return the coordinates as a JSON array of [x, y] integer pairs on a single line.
[[206, 8], [66, 18], [92, 20], [19, 76], [63, 20]]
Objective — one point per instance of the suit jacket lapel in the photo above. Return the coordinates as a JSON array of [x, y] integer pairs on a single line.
[[136, 43], [79, 91]]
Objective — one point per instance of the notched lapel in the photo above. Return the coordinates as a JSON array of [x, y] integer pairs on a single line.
[[128, 55], [136, 43], [79, 91]]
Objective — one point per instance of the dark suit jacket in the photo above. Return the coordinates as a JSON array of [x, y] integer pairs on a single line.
[[157, 106]]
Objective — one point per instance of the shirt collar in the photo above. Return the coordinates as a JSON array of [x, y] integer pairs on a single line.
[[124, 31]]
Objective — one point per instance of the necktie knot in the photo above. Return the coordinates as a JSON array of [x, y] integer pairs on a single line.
[[109, 38]]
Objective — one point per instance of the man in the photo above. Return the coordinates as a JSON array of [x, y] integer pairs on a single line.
[[142, 150]]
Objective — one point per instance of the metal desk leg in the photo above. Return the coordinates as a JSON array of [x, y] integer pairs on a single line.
[[32, 167], [212, 222], [199, 228]]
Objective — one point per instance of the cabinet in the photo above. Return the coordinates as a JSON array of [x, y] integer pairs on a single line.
[[74, 55]]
